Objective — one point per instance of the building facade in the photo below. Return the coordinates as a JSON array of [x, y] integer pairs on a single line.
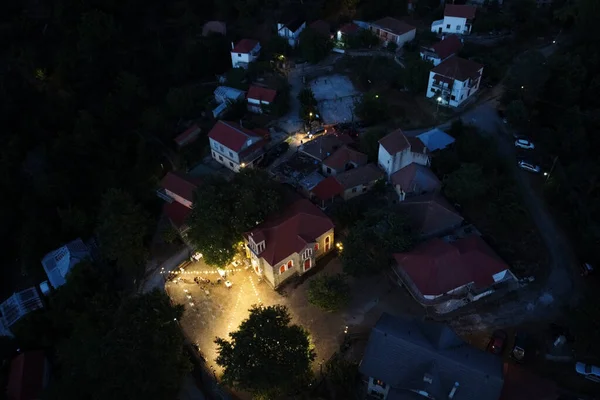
[[454, 81], [396, 151], [234, 146], [458, 19], [244, 52]]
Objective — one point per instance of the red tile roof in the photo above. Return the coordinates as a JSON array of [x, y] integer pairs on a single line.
[[395, 26], [436, 267], [445, 48], [417, 145], [344, 155], [327, 189], [460, 11], [291, 231], [188, 136], [321, 27], [180, 184], [231, 135], [394, 142], [349, 29], [245, 46], [177, 213], [26, 378], [458, 68], [261, 93]]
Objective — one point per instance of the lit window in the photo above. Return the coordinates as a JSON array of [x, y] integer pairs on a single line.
[[290, 264], [379, 382], [316, 246], [282, 269]]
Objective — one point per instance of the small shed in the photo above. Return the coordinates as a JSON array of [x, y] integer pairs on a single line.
[[189, 136], [436, 139], [224, 94]]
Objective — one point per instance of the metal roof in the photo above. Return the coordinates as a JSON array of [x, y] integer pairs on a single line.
[[19, 304], [57, 263], [436, 139]]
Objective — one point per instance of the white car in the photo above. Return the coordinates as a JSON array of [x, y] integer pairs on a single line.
[[524, 144], [529, 167], [590, 372]]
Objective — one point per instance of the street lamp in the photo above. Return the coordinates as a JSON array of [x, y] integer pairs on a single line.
[[437, 110]]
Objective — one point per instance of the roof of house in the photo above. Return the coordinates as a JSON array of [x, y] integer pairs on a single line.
[[321, 27], [293, 22], [359, 176], [436, 266], [522, 384], [431, 214], [181, 184], [214, 27], [413, 355], [327, 189], [343, 156], [189, 135], [290, 231], [57, 263], [451, 44], [396, 142], [324, 146], [416, 178], [394, 25], [436, 139], [458, 68], [19, 304], [349, 28], [27, 376], [261, 93], [245, 46], [231, 135], [460, 11], [177, 213], [228, 93]]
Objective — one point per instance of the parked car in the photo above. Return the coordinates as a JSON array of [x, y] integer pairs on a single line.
[[586, 269], [497, 342], [590, 372], [518, 351], [529, 167], [316, 132], [524, 144]]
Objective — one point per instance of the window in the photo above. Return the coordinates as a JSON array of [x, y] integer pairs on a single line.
[[328, 170], [316, 246], [452, 97], [448, 26], [282, 269], [379, 382], [239, 54], [230, 154], [364, 189], [220, 158], [261, 246], [230, 164], [432, 90], [221, 147], [458, 27], [307, 253], [461, 96], [469, 93], [214, 155], [353, 190]]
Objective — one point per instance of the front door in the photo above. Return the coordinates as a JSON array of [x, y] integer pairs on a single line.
[[327, 244], [307, 264]]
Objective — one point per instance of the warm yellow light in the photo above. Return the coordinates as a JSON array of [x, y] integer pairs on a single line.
[[243, 165]]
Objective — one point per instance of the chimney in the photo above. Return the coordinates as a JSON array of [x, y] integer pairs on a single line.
[[232, 46], [453, 391]]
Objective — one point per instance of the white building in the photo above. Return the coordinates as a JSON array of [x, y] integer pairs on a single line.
[[457, 19], [245, 52], [16, 307], [291, 30], [396, 151], [260, 97], [234, 146], [59, 262], [390, 30], [455, 80], [441, 50]]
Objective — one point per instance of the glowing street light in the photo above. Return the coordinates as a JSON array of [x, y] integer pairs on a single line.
[[242, 165], [439, 99]]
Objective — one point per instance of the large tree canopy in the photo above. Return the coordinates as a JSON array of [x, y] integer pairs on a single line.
[[266, 355], [224, 211]]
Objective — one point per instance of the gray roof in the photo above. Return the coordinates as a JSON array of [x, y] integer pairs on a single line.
[[405, 352], [19, 304], [436, 139]]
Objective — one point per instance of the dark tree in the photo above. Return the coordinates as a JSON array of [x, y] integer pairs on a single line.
[[314, 47], [328, 292], [266, 355]]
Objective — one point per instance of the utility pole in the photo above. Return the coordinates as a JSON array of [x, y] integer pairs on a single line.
[[552, 168]]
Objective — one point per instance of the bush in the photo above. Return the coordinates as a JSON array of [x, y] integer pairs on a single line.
[[328, 292], [371, 109]]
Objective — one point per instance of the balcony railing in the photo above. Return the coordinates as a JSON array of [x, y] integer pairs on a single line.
[[163, 195]]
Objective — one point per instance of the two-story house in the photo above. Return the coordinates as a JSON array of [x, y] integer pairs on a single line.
[[454, 80], [291, 30], [260, 98], [234, 146], [244, 52], [391, 30], [409, 358], [397, 151], [289, 243], [438, 52], [457, 19], [177, 190]]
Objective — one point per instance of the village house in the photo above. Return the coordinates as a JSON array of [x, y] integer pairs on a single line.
[[430, 215], [226, 94], [188, 136], [414, 180], [343, 159], [397, 151], [458, 19], [324, 146], [177, 190], [16, 307], [391, 30], [409, 358], [454, 81], [291, 30], [236, 147], [59, 262], [244, 52], [346, 30], [357, 181], [438, 52], [260, 97], [289, 243], [326, 191], [445, 275]]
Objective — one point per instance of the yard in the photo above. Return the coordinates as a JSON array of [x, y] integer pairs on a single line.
[[214, 310], [335, 95]]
